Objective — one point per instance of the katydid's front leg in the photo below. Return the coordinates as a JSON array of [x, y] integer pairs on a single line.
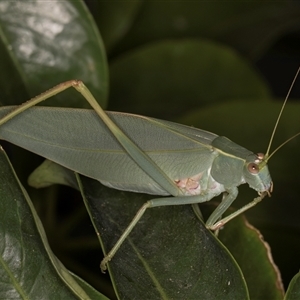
[[217, 224]]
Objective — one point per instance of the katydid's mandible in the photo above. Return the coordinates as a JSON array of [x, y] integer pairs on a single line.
[[212, 164]]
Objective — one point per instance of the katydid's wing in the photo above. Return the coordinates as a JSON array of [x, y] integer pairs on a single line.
[[77, 139]]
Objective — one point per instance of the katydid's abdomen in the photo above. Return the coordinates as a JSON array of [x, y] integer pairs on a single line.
[[196, 160]]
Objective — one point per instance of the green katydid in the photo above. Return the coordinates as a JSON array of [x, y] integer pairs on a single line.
[[114, 145]]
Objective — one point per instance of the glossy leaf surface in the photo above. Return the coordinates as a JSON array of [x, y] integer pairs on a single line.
[[43, 43], [28, 267]]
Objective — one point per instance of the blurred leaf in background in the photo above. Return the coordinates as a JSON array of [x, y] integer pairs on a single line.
[[46, 43]]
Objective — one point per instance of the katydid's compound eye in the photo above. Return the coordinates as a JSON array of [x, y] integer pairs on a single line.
[[253, 168]]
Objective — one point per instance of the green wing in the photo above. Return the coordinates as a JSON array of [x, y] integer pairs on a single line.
[[78, 140]]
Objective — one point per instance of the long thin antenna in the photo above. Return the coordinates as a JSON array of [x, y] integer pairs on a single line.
[[279, 117], [280, 146]]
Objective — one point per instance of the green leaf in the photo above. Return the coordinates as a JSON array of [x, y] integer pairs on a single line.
[[252, 253], [28, 268], [91, 292], [43, 43], [293, 292], [49, 173], [250, 27], [189, 73], [169, 255]]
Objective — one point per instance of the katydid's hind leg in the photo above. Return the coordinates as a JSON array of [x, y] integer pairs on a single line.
[[137, 154], [40, 98]]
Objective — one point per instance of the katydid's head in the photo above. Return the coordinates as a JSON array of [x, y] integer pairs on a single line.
[[257, 175]]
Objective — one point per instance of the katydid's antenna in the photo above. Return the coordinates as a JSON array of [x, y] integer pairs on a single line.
[[278, 119]]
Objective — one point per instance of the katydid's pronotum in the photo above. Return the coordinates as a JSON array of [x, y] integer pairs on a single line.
[[209, 164]]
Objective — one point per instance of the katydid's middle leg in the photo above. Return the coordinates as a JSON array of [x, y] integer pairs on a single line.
[[213, 222], [227, 200], [167, 201]]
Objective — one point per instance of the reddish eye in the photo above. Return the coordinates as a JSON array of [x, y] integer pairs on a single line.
[[253, 168]]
